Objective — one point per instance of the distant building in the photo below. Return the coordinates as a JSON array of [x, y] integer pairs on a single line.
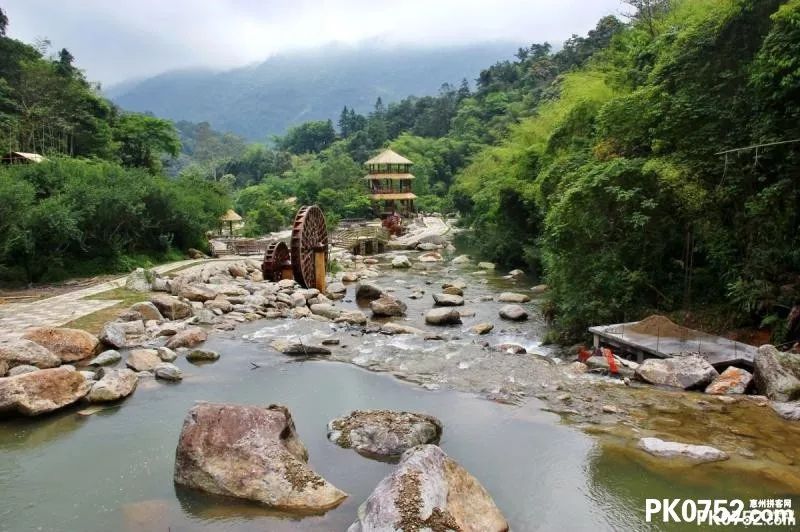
[[21, 157], [390, 184]]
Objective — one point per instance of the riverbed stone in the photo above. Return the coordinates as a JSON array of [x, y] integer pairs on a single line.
[[219, 303], [297, 347], [113, 384], [461, 259], [69, 345], [383, 433], [106, 358], [336, 290], [143, 359], [368, 291], [168, 372], [513, 297], [401, 261], [486, 266], [391, 328], [789, 411], [453, 291], [688, 372], [513, 313], [777, 374], [202, 355], [140, 280], [431, 256], [250, 452], [352, 317], [443, 316], [429, 491], [455, 283], [448, 300], [670, 449], [482, 328], [171, 307], [118, 334], [189, 337], [327, 310], [20, 369], [196, 292], [387, 306], [42, 391], [510, 348], [731, 381], [147, 310], [26, 352]]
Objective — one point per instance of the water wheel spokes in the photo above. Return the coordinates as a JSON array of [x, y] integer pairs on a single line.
[[309, 235], [276, 258]]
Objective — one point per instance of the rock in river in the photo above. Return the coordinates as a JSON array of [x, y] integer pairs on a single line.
[[369, 291], [250, 452], [113, 384], [482, 328], [688, 372], [106, 358], [731, 381], [143, 359], [671, 449], [513, 312], [296, 347], [443, 316], [43, 391], [384, 433], [25, 352], [429, 491], [188, 337], [777, 374], [513, 297], [147, 310], [790, 411], [401, 261], [68, 344], [168, 372], [202, 355], [387, 305], [448, 300], [171, 307]]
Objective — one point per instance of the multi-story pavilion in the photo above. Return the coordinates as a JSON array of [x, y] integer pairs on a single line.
[[390, 184]]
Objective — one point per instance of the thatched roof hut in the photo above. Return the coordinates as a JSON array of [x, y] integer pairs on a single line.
[[230, 216], [388, 156]]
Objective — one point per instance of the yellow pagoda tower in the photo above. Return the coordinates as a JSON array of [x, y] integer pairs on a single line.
[[390, 184]]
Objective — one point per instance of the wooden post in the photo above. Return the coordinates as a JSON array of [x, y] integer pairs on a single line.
[[319, 269]]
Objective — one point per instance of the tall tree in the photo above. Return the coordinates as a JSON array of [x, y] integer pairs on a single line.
[[3, 23]]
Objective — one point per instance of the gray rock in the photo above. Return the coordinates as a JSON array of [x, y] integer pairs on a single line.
[[731, 381], [205, 316], [448, 300], [790, 411], [171, 307], [461, 259], [486, 265], [298, 299], [143, 359], [106, 358], [114, 384], [397, 328], [140, 280], [443, 316], [401, 261], [687, 372], [453, 291], [329, 311], [482, 328], [147, 310], [455, 283], [539, 289], [368, 291], [26, 352], [196, 292], [296, 347], [168, 372], [220, 303], [384, 433], [202, 355], [387, 305], [336, 290], [429, 491], [250, 452], [188, 337], [669, 449], [777, 374], [352, 317], [513, 312], [22, 368], [166, 354], [513, 297]]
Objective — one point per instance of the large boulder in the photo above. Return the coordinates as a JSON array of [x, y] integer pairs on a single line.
[[147, 310], [790, 411], [43, 391], [168, 372], [401, 261], [171, 307], [442, 316], [387, 305], [513, 297], [196, 292], [250, 452], [670, 449], [143, 359], [368, 291], [69, 345], [25, 352], [731, 381], [140, 280], [119, 334], [189, 337], [114, 384], [384, 433], [429, 491], [448, 300], [777, 374], [688, 372], [513, 313]]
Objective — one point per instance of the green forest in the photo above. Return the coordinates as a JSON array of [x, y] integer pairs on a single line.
[[650, 165]]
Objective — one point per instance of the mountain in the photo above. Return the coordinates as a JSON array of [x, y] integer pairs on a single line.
[[265, 99]]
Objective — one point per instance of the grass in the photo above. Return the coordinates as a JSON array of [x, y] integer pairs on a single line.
[[94, 322]]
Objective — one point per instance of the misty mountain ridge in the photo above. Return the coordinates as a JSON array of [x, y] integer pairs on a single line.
[[265, 99]]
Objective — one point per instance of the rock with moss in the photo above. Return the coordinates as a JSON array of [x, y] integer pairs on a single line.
[[140, 280], [429, 491], [384, 433], [777, 374], [250, 452]]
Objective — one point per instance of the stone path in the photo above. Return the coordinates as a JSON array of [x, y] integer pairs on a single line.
[[58, 310]]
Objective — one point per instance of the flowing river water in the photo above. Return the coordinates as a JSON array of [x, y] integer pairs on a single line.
[[113, 470]]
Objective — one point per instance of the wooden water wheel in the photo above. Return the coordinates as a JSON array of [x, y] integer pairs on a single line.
[[309, 237], [276, 259]]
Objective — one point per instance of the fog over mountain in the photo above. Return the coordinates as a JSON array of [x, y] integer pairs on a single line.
[[287, 89]]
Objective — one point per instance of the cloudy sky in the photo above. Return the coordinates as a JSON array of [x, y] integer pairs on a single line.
[[114, 40]]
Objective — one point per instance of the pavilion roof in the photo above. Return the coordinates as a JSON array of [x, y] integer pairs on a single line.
[[388, 156]]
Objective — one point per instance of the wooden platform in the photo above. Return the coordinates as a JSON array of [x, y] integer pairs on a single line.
[[720, 352]]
